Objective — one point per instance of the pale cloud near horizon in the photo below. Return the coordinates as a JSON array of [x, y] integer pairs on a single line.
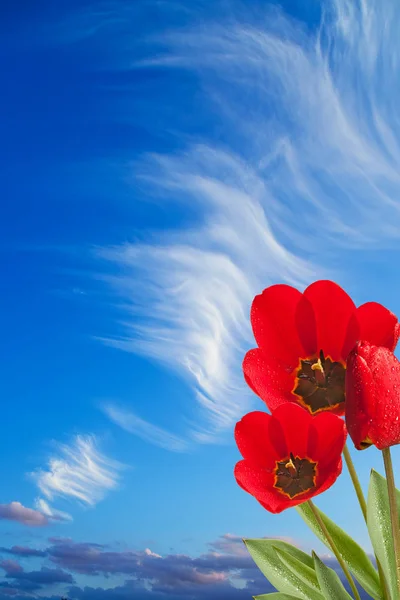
[[77, 471], [15, 511], [308, 165]]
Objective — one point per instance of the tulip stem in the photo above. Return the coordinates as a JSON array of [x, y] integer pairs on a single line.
[[355, 481], [334, 549], [387, 459], [363, 506]]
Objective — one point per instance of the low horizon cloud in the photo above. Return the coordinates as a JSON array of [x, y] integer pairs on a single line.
[[226, 570], [15, 511]]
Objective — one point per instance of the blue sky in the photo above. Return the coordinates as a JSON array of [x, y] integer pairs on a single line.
[[161, 163]]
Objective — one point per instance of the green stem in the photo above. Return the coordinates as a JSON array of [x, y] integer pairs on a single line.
[[356, 481], [334, 549], [363, 506], [387, 459]]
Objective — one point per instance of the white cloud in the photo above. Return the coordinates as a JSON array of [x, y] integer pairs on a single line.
[[148, 552], [305, 165], [130, 422], [79, 471], [51, 513]]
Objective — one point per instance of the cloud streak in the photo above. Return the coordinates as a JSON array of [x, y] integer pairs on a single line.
[[78, 471], [51, 513], [23, 551], [131, 423]]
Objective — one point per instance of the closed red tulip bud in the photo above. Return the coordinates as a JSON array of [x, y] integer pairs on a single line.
[[373, 396]]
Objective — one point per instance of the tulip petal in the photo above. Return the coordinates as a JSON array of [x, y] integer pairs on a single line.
[[273, 322], [327, 477], [331, 433], [360, 397], [260, 483], [294, 423], [269, 380], [252, 439], [306, 326], [332, 309], [385, 425], [378, 325]]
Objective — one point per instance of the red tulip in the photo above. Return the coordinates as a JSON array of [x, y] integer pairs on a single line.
[[304, 340], [289, 456], [373, 397]]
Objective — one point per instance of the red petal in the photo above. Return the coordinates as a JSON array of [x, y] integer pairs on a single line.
[[307, 327], [352, 336], [273, 322], [331, 431], [252, 438], [260, 483], [294, 422], [333, 309], [326, 479], [378, 325], [267, 379], [360, 396], [384, 428]]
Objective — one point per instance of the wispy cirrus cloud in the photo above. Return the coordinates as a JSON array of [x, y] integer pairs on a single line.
[[78, 471], [130, 422]]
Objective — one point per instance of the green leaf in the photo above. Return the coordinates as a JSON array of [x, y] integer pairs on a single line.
[[380, 529], [353, 555], [293, 580], [306, 574], [275, 596], [293, 550], [329, 581]]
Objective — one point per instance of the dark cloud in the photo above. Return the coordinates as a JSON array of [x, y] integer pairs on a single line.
[[170, 570], [225, 571], [33, 580], [210, 575], [23, 551]]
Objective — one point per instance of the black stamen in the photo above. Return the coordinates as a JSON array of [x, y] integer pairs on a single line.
[[320, 388], [295, 476]]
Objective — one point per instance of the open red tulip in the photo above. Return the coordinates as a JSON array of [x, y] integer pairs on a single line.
[[304, 340], [289, 456], [373, 397]]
